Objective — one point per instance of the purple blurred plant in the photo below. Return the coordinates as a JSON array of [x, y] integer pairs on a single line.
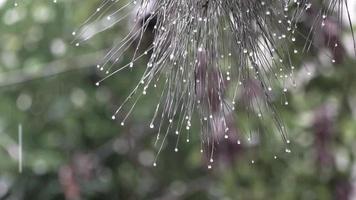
[[324, 134]]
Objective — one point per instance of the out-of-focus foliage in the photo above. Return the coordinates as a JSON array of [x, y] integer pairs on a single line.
[[73, 150]]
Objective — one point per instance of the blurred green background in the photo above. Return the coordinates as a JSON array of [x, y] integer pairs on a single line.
[[73, 150]]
